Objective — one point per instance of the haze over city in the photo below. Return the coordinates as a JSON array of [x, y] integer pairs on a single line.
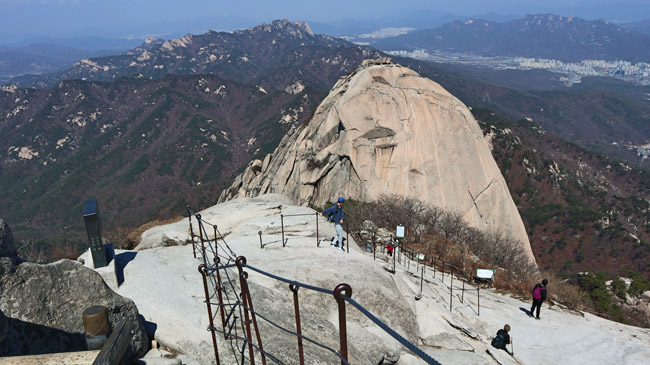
[[22, 19]]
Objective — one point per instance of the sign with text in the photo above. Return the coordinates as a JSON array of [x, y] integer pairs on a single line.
[[91, 219], [485, 273], [399, 232]]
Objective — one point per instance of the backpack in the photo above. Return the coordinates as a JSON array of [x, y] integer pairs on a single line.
[[498, 341], [537, 292], [331, 217]]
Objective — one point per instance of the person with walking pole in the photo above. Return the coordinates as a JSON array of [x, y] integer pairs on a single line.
[[502, 339], [335, 213]]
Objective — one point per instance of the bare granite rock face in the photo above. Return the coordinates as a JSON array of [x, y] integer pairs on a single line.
[[44, 303], [7, 245], [386, 129]]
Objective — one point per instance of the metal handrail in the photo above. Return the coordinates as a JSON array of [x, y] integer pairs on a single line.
[[245, 304]]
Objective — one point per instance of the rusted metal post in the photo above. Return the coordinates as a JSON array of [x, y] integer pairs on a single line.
[[442, 272], [202, 268], [294, 289], [451, 287], [248, 302], [421, 279], [282, 224], [219, 290], [406, 257], [347, 241], [343, 289], [478, 297], [198, 219], [374, 247], [317, 238], [394, 255], [242, 278], [216, 247], [260, 233], [433, 264], [189, 217]]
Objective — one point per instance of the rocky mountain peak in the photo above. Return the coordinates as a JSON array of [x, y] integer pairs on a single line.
[[554, 21], [386, 129], [298, 29]]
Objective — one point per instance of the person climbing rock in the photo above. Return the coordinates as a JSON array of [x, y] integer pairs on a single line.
[[539, 296], [502, 339], [335, 213]]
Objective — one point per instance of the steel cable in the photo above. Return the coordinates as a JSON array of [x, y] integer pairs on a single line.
[[406, 343]]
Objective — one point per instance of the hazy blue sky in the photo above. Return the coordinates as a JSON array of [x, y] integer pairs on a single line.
[[113, 18]]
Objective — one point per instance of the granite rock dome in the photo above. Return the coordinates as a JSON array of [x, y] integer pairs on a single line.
[[386, 129]]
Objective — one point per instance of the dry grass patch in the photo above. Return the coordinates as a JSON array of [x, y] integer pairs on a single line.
[[125, 238]]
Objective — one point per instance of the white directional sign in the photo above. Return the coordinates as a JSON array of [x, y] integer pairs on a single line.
[[400, 232], [485, 273]]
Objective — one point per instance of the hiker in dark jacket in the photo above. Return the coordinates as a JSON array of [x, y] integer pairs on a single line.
[[336, 212], [505, 339], [539, 296]]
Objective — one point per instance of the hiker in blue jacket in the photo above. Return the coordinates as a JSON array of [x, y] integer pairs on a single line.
[[336, 216], [539, 296]]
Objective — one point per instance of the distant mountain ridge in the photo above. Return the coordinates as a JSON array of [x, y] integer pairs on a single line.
[[41, 58], [551, 36], [184, 134], [642, 26], [257, 55], [147, 147]]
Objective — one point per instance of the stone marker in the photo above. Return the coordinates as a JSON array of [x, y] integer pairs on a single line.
[[7, 246], [91, 219]]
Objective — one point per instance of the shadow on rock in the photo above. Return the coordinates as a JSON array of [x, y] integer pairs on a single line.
[[121, 260]]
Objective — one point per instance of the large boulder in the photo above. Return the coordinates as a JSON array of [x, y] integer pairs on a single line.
[[44, 306], [386, 129], [7, 245]]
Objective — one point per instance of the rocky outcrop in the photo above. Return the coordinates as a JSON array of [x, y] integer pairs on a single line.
[[165, 284], [7, 245], [385, 129], [301, 260], [44, 303]]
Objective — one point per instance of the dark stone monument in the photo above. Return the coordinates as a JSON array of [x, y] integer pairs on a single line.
[[97, 248], [7, 246]]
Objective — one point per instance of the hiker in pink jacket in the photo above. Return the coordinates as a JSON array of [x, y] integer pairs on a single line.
[[539, 296]]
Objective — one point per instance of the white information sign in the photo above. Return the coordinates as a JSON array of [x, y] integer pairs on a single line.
[[485, 273], [400, 232], [420, 256]]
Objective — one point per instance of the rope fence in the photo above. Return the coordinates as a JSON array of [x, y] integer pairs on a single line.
[[405, 256]]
